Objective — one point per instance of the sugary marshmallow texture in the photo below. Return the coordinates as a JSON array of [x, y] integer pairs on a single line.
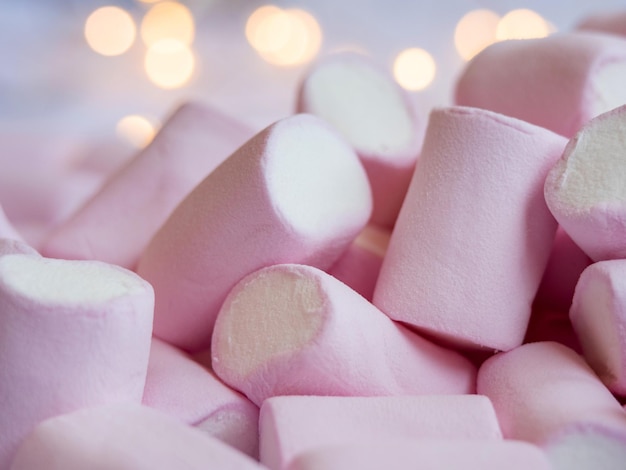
[[295, 330], [296, 192], [474, 235], [376, 116], [559, 82], [585, 190]]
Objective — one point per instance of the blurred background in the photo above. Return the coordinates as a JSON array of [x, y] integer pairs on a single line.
[[97, 70]]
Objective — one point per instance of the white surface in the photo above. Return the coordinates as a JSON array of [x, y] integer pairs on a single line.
[[609, 87]]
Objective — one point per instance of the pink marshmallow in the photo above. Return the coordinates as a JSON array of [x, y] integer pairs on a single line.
[[72, 334], [6, 228], [559, 82], [585, 189], [296, 192], [551, 325], [292, 425], [177, 385], [613, 22], [124, 437], [474, 235], [116, 224], [598, 315], [295, 330], [11, 246], [408, 454], [542, 390], [359, 266], [378, 119]]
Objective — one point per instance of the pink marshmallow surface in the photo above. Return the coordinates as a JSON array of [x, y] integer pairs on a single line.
[[6, 228], [292, 425], [296, 192], [613, 22], [474, 235], [177, 385], [117, 223], [295, 330]]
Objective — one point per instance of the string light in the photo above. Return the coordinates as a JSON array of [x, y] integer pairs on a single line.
[[137, 130], [522, 24], [168, 20], [475, 31], [169, 63], [414, 69], [110, 31]]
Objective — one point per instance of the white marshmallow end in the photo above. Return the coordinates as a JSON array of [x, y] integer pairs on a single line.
[[590, 450]]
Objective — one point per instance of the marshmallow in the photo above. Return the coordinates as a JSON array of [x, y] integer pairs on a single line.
[[613, 22], [124, 437], [547, 324], [6, 228], [116, 224], [359, 266], [559, 82], [292, 425], [177, 385], [542, 390], [377, 118], [72, 334], [598, 315], [296, 192], [585, 190], [407, 454], [295, 330], [11, 246], [473, 238]]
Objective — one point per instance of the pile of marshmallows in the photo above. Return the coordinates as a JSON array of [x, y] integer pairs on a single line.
[[312, 297]]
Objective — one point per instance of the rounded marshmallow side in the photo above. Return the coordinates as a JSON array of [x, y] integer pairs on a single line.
[[585, 189], [613, 22]]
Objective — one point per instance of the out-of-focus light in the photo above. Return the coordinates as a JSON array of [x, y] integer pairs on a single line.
[[137, 130], [169, 63], [110, 31], [284, 37], [414, 69], [475, 31], [522, 24], [149, 1], [168, 20]]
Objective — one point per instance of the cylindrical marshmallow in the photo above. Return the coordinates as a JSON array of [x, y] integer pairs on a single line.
[[474, 235], [296, 192], [541, 390], [376, 116], [117, 223], [292, 425], [559, 82], [179, 386], [598, 315], [72, 334], [124, 437], [295, 330], [586, 191], [613, 22]]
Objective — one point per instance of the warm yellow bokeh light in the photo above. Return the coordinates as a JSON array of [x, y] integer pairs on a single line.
[[110, 31], [284, 37], [168, 20], [522, 24], [414, 69], [475, 31], [137, 130], [149, 1], [169, 63]]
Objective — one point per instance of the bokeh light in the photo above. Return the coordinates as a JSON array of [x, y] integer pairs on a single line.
[[284, 37], [522, 24], [168, 20], [475, 31], [169, 63], [110, 31], [414, 69], [137, 130]]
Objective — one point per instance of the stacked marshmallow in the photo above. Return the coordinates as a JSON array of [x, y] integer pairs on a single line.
[[314, 296]]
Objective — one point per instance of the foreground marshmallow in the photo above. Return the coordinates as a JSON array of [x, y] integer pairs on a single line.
[[377, 118], [124, 437], [598, 315], [117, 223], [542, 390], [292, 425], [295, 330], [585, 190], [559, 82], [296, 192], [407, 454], [474, 235], [72, 334], [179, 386]]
